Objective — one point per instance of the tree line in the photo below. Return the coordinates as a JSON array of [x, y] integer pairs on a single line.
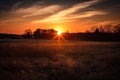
[[105, 29], [40, 33], [96, 33]]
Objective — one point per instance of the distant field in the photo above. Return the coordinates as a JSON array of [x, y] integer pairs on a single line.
[[59, 60]]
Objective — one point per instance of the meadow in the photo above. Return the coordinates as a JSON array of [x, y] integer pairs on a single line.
[[59, 60]]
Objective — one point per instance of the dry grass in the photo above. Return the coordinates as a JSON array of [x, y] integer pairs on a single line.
[[48, 60]]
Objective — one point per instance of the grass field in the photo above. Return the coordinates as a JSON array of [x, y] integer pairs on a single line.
[[53, 60]]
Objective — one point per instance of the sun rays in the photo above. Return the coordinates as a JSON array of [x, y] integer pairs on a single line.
[[59, 35], [59, 32]]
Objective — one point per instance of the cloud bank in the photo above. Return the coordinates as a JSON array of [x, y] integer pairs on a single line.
[[53, 13]]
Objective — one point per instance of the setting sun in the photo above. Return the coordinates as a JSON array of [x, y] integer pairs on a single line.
[[59, 32]]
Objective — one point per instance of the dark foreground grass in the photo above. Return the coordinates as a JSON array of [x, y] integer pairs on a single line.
[[48, 60]]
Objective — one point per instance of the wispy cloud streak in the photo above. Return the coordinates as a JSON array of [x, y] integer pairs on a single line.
[[61, 15], [52, 13], [37, 10], [85, 14]]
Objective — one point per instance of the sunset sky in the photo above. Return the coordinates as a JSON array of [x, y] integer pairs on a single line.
[[68, 15]]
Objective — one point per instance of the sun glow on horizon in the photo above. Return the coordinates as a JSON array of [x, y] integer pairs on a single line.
[[59, 32]]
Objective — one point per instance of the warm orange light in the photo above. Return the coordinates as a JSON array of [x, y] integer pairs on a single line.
[[59, 32]]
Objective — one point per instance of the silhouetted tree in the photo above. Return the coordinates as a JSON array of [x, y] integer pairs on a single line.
[[103, 29], [28, 33], [51, 31], [44, 32], [117, 28], [97, 30], [108, 28], [37, 33], [93, 29]]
